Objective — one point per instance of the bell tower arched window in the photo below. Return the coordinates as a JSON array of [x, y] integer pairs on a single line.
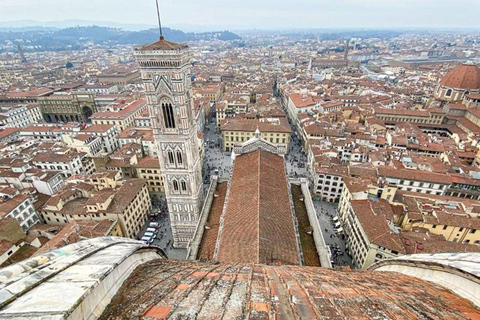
[[179, 158], [171, 160], [168, 117], [175, 185], [184, 185]]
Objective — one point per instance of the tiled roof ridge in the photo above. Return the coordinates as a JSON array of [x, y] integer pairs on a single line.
[[258, 207]]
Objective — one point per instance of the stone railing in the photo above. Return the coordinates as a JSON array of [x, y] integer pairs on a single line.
[[458, 272], [78, 280]]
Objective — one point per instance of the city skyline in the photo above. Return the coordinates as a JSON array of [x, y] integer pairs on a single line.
[[191, 15]]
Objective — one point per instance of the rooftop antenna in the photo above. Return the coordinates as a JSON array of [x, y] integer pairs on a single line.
[[159, 21]]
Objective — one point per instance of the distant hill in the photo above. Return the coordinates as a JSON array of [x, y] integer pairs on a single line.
[[46, 39]]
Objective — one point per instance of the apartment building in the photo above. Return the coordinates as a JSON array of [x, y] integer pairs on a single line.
[[301, 103], [47, 183], [21, 208], [107, 133], [106, 179], [231, 106], [453, 218], [368, 225], [67, 163], [148, 169], [328, 183], [416, 180], [420, 116], [88, 144], [238, 130], [130, 205], [20, 116], [121, 113]]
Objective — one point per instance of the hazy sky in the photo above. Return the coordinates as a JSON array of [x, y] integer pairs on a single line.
[[254, 13]]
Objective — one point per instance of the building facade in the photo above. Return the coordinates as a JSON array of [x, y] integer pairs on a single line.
[[236, 131], [21, 208], [65, 107], [20, 116], [166, 75]]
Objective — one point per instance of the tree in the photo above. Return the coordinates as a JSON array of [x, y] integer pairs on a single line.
[[69, 65]]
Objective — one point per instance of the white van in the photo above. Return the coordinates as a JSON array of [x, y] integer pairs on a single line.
[[146, 239], [153, 225]]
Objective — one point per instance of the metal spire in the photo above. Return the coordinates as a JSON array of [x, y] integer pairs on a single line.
[[159, 21]]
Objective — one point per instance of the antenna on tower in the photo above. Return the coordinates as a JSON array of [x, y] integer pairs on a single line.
[[159, 21]]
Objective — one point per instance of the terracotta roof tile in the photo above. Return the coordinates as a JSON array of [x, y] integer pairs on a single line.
[[187, 289], [258, 223], [465, 76]]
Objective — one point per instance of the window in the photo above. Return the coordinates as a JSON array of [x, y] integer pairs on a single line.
[[175, 185], [449, 93], [184, 186], [170, 157], [168, 116], [179, 157]]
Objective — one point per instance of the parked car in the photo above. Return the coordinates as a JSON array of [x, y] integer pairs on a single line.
[[155, 225], [152, 230], [149, 235], [146, 239]]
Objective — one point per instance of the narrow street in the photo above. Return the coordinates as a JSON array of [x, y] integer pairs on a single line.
[[296, 160], [296, 164], [325, 213], [217, 162]]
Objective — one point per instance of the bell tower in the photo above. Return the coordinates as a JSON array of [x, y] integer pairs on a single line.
[[166, 76]]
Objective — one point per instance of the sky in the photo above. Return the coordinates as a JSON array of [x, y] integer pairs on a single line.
[[254, 14]]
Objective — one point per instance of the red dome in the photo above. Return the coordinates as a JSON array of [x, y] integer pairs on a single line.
[[465, 76]]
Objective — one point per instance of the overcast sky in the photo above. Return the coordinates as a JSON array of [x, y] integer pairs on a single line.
[[248, 14]]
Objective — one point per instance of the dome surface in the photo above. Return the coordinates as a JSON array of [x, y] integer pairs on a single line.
[[465, 76]]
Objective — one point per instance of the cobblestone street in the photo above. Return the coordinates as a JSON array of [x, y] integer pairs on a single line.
[[295, 160], [325, 213], [217, 162]]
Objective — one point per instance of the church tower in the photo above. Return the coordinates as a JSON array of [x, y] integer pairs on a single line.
[[166, 76]]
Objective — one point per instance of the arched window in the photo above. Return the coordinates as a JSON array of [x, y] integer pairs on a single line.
[[171, 160], [179, 158], [184, 185], [175, 185], [168, 116], [449, 93]]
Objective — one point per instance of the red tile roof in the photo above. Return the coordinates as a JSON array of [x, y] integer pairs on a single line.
[[258, 224], [465, 76], [163, 289], [162, 44]]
